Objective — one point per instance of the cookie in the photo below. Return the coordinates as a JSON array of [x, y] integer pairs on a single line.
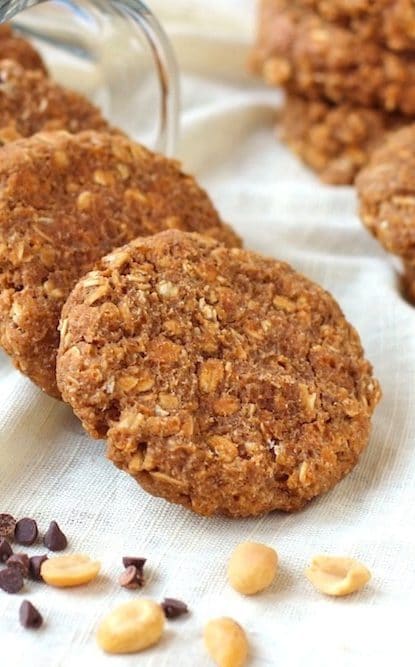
[[30, 102], [20, 50], [386, 190], [321, 60], [335, 141], [65, 201], [222, 380], [391, 22]]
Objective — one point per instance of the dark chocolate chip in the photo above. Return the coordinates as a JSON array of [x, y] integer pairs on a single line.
[[174, 608], [29, 615], [7, 525], [137, 562], [21, 561], [131, 578], [26, 531], [11, 580], [54, 539], [5, 551], [35, 564]]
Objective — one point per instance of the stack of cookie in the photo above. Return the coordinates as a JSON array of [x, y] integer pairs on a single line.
[[349, 72], [221, 380]]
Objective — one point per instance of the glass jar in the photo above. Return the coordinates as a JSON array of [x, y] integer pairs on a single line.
[[113, 51]]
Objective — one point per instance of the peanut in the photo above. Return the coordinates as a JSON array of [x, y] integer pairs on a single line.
[[226, 642], [252, 567], [131, 627], [337, 576], [68, 571]]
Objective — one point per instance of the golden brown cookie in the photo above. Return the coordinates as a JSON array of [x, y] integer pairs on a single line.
[[391, 22], [65, 201], [386, 189], [18, 49], [321, 60], [31, 102], [335, 141], [222, 380]]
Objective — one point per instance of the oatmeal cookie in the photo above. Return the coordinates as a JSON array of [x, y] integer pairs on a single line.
[[222, 380], [321, 60], [391, 22], [20, 50], [336, 141], [65, 201], [386, 189], [31, 102]]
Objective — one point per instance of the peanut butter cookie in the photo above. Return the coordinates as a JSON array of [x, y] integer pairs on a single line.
[[336, 141], [317, 59], [18, 49], [31, 102], [222, 380], [386, 189], [65, 201]]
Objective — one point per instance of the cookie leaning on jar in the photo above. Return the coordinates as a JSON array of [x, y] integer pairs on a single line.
[[16, 48], [222, 380], [65, 201]]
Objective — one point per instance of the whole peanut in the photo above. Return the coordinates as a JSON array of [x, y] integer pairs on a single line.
[[226, 642], [131, 627], [252, 567]]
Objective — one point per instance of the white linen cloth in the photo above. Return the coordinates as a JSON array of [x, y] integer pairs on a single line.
[[50, 470]]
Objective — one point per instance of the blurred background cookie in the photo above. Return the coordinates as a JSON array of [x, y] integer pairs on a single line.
[[65, 201], [17, 48], [31, 102], [386, 189], [223, 381]]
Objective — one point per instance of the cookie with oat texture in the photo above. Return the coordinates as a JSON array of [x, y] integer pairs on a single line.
[[17, 48], [65, 201], [222, 380]]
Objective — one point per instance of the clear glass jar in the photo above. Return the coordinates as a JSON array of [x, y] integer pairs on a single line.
[[115, 52]]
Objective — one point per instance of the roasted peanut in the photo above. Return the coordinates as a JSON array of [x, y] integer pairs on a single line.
[[226, 642], [252, 567], [337, 576], [131, 627], [68, 571]]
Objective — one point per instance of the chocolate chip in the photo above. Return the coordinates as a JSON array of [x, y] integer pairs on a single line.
[[131, 578], [54, 539], [7, 525], [35, 564], [174, 608], [137, 562], [11, 579], [29, 615], [21, 561], [5, 551], [26, 531]]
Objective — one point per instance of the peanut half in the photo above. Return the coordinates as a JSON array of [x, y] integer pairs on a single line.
[[252, 567], [131, 627], [226, 642], [68, 571], [337, 576]]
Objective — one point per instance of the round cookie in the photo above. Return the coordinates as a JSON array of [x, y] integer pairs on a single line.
[[30, 102], [65, 201], [20, 50], [317, 59], [222, 380], [386, 190], [335, 141]]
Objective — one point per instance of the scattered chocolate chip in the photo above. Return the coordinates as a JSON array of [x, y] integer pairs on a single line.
[[5, 551], [11, 580], [21, 561], [26, 531], [35, 564], [131, 578], [29, 615], [174, 608], [137, 562], [54, 539], [7, 525]]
